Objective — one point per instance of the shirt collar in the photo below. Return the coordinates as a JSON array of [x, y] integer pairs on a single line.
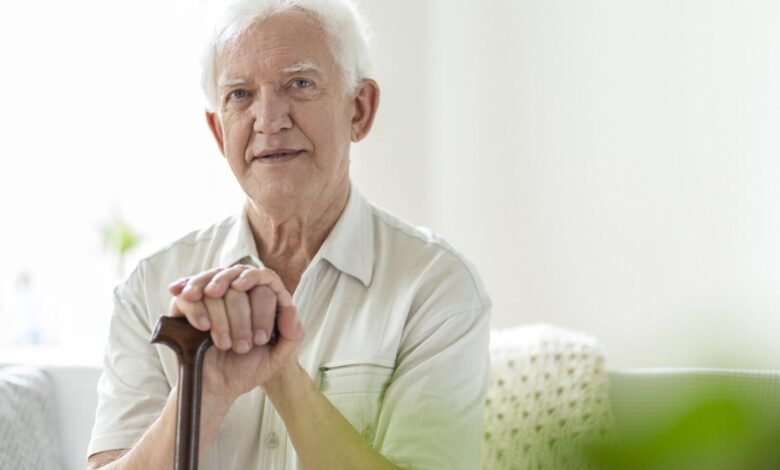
[[239, 245], [349, 247]]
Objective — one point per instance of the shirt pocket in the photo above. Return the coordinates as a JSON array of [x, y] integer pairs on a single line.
[[356, 390]]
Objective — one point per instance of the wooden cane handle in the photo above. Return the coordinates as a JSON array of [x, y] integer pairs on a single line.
[[190, 346]]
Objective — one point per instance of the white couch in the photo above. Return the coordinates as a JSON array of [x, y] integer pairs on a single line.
[[633, 401], [635, 397], [75, 399], [72, 398]]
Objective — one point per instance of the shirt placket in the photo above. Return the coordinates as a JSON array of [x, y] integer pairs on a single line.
[[273, 439]]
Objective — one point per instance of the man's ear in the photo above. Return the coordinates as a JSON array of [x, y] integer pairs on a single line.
[[216, 129], [366, 103]]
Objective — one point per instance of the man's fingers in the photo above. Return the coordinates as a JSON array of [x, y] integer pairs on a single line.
[[219, 284], [263, 302], [239, 317], [195, 312], [193, 289], [290, 327], [220, 327], [290, 334], [251, 278], [177, 286]]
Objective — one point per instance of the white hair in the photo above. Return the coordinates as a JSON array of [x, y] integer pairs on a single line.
[[346, 30]]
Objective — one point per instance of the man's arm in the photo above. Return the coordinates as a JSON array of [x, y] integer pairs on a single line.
[[322, 437], [101, 459], [156, 448], [433, 409]]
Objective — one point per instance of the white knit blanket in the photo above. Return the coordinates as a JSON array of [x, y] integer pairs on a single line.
[[27, 437], [548, 393]]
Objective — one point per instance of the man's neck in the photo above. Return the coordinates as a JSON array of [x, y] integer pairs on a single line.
[[287, 242]]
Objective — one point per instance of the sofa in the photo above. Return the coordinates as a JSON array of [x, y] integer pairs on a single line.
[[552, 405], [555, 375]]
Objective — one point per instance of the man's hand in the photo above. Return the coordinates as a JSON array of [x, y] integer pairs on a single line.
[[239, 305]]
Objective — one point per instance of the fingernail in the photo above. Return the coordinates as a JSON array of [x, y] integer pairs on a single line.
[[243, 346], [225, 341], [261, 337], [204, 322]]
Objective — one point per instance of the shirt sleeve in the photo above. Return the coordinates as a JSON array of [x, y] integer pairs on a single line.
[[133, 387], [432, 411]]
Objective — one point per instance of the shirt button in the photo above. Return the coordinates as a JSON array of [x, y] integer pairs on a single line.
[[273, 441]]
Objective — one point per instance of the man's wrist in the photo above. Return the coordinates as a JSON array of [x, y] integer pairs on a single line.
[[215, 405], [287, 381]]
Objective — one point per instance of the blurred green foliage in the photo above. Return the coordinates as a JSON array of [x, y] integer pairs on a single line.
[[120, 238], [724, 433]]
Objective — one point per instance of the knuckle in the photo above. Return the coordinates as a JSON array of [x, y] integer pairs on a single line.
[[240, 334], [219, 328], [263, 294], [233, 297], [207, 275], [237, 306], [270, 273], [199, 308], [211, 305]]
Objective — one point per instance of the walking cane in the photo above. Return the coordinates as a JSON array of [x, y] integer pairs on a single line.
[[190, 346]]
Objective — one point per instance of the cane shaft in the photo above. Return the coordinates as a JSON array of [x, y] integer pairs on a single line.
[[190, 346]]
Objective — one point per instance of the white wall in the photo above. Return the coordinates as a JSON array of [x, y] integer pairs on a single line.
[[609, 166]]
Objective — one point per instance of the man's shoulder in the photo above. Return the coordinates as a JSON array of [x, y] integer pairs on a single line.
[[204, 241], [397, 237], [392, 229], [422, 254], [197, 250]]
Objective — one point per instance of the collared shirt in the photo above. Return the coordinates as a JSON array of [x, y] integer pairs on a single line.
[[396, 337]]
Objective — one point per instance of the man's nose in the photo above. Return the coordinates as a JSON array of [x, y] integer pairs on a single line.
[[272, 112]]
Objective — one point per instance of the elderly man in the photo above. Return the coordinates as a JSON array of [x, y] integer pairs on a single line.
[[381, 359]]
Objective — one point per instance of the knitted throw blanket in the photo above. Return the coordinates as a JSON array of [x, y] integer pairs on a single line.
[[27, 440], [547, 394]]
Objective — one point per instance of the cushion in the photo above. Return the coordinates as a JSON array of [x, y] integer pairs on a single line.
[[547, 395], [27, 421]]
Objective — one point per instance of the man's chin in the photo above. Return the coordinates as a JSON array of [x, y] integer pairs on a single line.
[[275, 194]]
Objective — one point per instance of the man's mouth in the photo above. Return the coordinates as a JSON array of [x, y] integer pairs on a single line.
[[277, 155]]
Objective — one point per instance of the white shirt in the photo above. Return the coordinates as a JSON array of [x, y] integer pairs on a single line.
[[396, 337]]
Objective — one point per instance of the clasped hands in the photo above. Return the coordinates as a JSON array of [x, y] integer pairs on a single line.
[[239, 305]]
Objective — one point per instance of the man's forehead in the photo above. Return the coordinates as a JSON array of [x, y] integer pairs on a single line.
[[281, 44]]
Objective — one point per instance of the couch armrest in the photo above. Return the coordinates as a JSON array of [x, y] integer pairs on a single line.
[[75, 389], [646, 399]]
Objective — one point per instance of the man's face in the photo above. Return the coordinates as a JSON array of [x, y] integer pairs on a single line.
[[284, 119]]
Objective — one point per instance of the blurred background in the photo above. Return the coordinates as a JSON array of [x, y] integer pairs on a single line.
[[609, 166]]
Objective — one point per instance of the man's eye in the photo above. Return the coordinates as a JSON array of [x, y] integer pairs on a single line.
[[237, 94], [300, 83]]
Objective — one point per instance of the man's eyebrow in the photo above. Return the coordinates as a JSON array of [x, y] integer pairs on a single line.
[[227, 83], [300, 67]]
